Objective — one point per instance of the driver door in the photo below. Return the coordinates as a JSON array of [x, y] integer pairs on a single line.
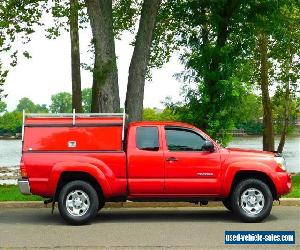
[[189, 171]]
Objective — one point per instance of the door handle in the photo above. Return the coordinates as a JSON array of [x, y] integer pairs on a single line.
[[172, 159]]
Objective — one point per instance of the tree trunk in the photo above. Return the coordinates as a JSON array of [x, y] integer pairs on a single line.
[[75, 57], [268, 133], [140, 59], [105, 90], [286, 120], [286, 111]]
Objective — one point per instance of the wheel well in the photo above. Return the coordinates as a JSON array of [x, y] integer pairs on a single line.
[[242, 175], [66, 177]]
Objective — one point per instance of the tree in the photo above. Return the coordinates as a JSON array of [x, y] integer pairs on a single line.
[[41, 108], [275, 26], [3, 106], [26, 104], [11, 123], [166, 114], [213, 49], [3, 75], [248, 114], [217, 41], [268, 132], [140, 60], [61, 103], [18, 20], [86, 100], [75, 56], [105, 89], [68, 15], [285, 51], [30, 107]]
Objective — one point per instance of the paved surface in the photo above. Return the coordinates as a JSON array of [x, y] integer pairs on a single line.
[[189, 228]]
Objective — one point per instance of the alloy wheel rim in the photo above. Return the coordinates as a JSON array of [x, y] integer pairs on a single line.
[[77, 203], [252, 201]]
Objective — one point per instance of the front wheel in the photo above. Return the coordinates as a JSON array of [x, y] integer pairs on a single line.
[[101, 205], [227, 204], [78, 202], [252, 200]]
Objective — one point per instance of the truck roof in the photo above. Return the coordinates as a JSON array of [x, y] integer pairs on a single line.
[[166, 123]]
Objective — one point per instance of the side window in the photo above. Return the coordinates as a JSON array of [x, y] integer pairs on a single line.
[[183, 140], [147, 138]]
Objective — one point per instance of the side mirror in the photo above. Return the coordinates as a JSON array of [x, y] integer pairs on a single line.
[[208, 146]]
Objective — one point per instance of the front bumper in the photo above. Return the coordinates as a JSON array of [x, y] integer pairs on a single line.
[[24, 186], [283, 183]]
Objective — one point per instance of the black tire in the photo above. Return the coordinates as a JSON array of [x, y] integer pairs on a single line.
[[256, 188], [227, 204], [101, 205], [85, 190]]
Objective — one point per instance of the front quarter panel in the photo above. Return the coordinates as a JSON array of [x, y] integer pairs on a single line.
[[234, 168], [242, 161]]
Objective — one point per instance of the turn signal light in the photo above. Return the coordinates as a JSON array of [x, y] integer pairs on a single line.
[[23, 171]]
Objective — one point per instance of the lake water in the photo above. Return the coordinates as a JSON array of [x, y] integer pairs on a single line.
[[10, 150]]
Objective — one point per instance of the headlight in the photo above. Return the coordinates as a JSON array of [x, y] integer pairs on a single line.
[[281, 162]]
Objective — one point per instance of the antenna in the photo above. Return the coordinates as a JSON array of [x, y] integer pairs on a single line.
[[123, 124], [23, 124], [73, 117]]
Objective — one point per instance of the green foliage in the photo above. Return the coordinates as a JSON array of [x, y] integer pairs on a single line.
[[61, 103], [3, 106], [3, 75], [150, 114], [159, 115], [61, 12], [125, 15], [26, 104], [217, 43], [11, 123], [278, 106], [249, 114], [17, 23], [213, 52], [86, 100]]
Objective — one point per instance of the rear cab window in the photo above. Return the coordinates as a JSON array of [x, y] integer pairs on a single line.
[[147, 138]]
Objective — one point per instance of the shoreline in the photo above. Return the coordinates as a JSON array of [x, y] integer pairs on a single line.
[[9, 175], [12, 137]]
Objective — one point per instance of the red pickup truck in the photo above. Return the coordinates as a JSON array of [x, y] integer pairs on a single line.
[[81, 161]]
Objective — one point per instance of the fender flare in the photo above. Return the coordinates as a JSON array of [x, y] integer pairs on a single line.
[[84, 167], [235, 168]]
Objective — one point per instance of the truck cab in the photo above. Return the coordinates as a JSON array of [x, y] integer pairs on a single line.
[[83, 160]]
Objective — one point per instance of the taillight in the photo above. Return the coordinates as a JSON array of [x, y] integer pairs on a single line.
[[23, 171]]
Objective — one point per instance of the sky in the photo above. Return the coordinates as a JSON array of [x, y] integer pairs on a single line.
[[49, 71]]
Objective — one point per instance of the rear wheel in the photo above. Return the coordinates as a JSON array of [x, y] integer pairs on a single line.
[[78, 202], [252, 200]]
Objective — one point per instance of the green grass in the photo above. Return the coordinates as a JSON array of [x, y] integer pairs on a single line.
[[12, 193], [296, 187]]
